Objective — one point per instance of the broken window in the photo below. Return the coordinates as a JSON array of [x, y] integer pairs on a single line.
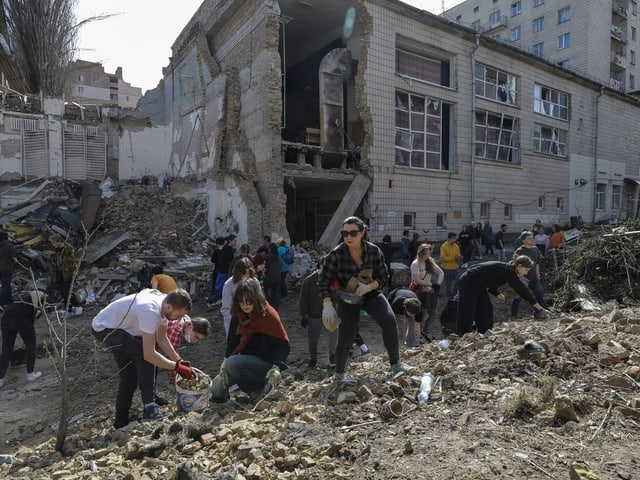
[[495, 84], [496, 136], [485, 209], [550, 102], [420, 67], [422, 132], [549, 140]]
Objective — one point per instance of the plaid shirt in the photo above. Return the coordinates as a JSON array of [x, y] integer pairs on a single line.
[[339, 264], [175, 334]]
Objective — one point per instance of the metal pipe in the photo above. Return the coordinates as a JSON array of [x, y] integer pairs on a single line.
[[473, 129], [595, 160]]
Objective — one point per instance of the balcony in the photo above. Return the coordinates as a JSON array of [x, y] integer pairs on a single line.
[[502, 23], [618, 59], [617, 84], [620, 8], [619, 32]]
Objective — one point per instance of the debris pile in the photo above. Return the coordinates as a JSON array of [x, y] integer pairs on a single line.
[[526, 400], [603, 268]]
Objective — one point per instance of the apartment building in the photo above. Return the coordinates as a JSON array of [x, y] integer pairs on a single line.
[[91, 85], [594, 38]]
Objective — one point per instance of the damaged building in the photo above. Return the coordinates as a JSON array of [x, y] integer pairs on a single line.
[[298, 113]]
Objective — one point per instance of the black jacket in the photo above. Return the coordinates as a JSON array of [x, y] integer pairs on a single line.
[[491, 275]]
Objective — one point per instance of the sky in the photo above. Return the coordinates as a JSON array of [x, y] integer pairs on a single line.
[[139, 34]]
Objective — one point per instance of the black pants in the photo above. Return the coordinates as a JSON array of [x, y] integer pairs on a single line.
[[378, 308], [18, 320], [429, 301], [474, 304], [134, 371]]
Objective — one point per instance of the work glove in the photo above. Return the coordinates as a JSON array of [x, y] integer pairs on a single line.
[[362, 289], [330, 318], [184, 369], [436, 288], [273, 378], [223, 375], [304, 322]]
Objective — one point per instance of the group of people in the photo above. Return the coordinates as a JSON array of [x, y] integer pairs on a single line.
[[144, 330]]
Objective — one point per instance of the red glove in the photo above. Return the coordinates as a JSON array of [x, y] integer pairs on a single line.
[[184, 369]]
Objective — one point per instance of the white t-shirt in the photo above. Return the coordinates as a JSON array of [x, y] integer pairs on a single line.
[[135, 314]]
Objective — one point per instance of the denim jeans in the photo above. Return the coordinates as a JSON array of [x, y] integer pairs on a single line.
[[536, 287], [451, 279], [247, 371]]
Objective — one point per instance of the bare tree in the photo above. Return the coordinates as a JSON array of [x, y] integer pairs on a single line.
[[44, 37]]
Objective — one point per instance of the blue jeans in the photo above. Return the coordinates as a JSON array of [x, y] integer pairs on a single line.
[[451, 280], [536, 287], [247, 371]]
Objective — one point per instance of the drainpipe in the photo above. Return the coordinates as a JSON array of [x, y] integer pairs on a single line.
[[473, 123], [595, 160]]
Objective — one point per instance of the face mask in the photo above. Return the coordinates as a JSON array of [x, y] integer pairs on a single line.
[[187, 337]]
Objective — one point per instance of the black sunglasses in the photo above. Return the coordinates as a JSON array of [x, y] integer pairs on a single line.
[[346, 233]]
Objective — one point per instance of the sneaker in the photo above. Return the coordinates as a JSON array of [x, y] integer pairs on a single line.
[[332, 360], [75, 311], [513, 318], [312, 363], [400, 367], [365, 355], [337, 377], [161, 401], [153, 412], [126, 426], [33, 376]]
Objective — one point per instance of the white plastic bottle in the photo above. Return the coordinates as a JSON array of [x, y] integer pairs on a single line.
[[425, 388]]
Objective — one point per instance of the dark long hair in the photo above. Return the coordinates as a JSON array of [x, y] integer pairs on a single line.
[[248, 291]]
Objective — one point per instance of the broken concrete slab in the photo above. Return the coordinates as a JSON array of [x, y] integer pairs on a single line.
[[101, 245]]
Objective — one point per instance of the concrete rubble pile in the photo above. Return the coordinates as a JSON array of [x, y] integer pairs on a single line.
[[524, 393]]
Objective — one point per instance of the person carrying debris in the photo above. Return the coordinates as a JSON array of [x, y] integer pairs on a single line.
[[131, 327], [63, 266], [257, 346], [484, 278], [19, 319], [358, 266], [7, 254], [310, 306], [190, 330]]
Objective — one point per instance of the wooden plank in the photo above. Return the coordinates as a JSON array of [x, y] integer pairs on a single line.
[[22, 212], [102, 246]]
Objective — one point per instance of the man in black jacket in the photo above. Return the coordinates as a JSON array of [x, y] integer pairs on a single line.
[[404, 302]]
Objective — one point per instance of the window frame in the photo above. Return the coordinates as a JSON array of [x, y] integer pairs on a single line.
[[516, 8], [538, 46], [560, 203], [489, 79], [601, 197], [564, 40], [616, 197], [494, 19], [518, 33], [492, 136], [537, 3], [542, 202], [508, 211], [485, 210], [428, 61], [564, 14], [441, 221], [540, 142], [537, 25], [409, 216], [545, 104], [432, 130]]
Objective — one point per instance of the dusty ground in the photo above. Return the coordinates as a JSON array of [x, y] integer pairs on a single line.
[[496, 411]]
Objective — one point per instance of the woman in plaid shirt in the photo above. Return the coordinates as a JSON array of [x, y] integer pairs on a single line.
[[356, 270]]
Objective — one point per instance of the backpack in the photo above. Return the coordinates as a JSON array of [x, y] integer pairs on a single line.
[[288, 255]]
